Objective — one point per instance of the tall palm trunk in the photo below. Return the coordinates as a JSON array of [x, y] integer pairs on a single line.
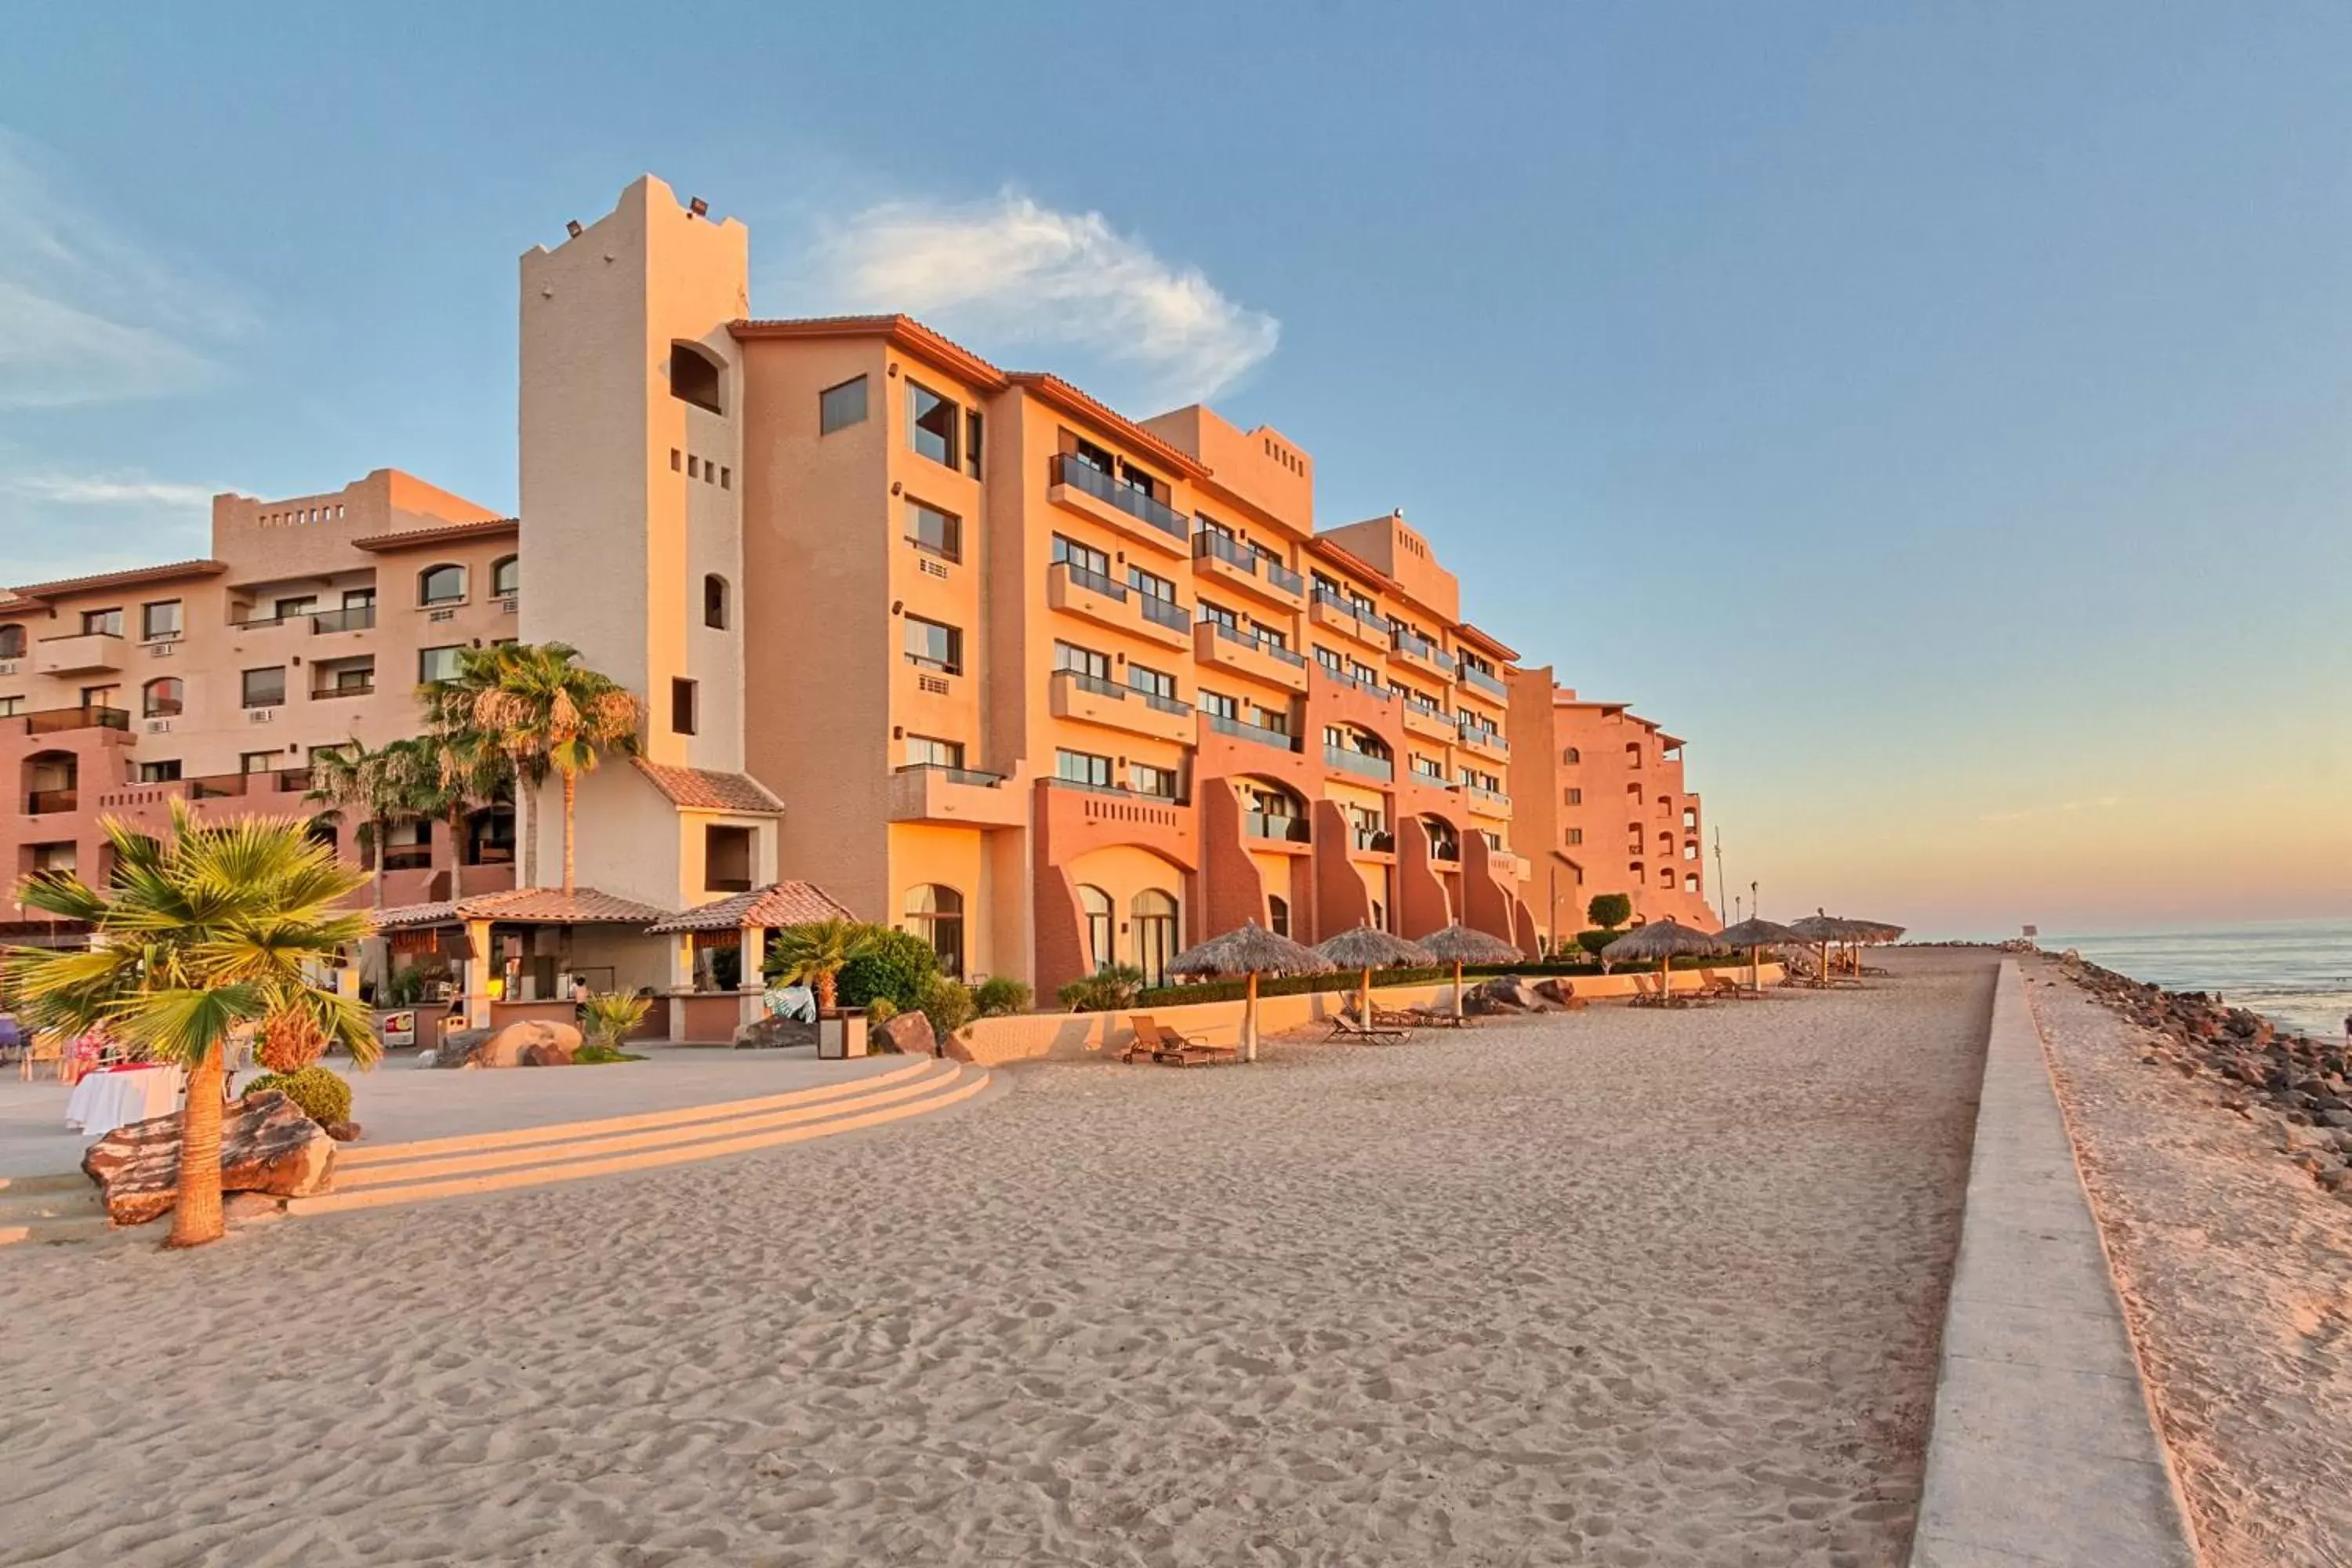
[[571, 784], [527, 828], [457, 852], [375, 827], [826, 992], [196, 1216]]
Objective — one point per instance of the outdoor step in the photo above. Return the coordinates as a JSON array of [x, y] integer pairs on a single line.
[[939, 1091], [564, 1132], [15, 1233], [62, 1182], [414, 1163], [75, 1202]]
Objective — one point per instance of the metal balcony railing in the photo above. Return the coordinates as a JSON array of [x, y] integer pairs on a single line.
[[55, 721], [1095, 684], [352, 618], [1075, 471], [1472, 675], [1165, 612], [954, 774], [1158, 704], [41, 802], [1094, 582], [1283, 829], [1378, 840], [1241, 728], [1361, 763]]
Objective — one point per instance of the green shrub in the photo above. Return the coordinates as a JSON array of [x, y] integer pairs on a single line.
[[895, 963], [315, 1092], [1609, 911], [611, 1014], [881, 1010], [1106, 990], [596, 1054], [1593, 941], [1000, 997], [947, 1004]]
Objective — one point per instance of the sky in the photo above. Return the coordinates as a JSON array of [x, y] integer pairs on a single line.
[[1941, 416]]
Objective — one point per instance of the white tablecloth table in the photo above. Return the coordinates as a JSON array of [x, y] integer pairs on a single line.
[[106, 1101]]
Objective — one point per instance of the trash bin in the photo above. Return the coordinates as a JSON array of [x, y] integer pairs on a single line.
[[842, 1034]]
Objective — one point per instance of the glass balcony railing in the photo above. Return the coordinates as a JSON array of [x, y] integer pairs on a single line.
[[1165, 612], [1282, 577], [1158, 704], [1208, 542], [1241, 729], [1473, 676], [1095, 684], [1094, 582], [1480, 791], [954, 774], [1283, 829], [1476, 735], [1275, 651], [1361, 763], [355, 619], [1377, 840], [1075, 471], [55, 721]]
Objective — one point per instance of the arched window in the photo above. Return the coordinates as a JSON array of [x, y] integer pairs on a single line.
[[714, 601], [12, 642], [506, 577], [443, 584], [1102, 951], [1154, 915], [1665, 877], [936, 914], [1572, 755], [1444, 843], [1278, 914], [695, 376], [163, 697], [1690, 883]]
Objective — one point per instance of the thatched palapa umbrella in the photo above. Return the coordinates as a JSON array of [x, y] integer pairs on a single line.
[[1250, 949], [1826, 929], [1756, 935], [1664, 939], [1368, 948], [1459, 945]]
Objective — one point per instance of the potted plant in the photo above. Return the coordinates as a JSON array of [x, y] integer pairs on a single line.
[[813, 955]]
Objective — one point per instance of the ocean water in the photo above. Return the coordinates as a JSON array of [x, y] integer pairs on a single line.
[[2297, 974]]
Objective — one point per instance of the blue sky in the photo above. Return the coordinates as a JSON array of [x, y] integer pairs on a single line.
[[1939, 414]]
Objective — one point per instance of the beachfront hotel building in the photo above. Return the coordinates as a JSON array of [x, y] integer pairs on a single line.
[[981, 658]]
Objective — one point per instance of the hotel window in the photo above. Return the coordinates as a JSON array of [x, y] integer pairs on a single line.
[[1221, 616], [437, 663], [1428, 767], [839, 407], [972, 443], [1101, 930], [12, 642], [252, 762], [1217, 705], [162, 699], [1575, 836], [930, 646], [1571, 756], [1082, 768], [1211, 525], [935, 913], [1275, 718], [1151, 682], [160, 622], [931, 424], [353, 680], [935, 531], [101, 623], [1690, 884], [681, 706], [1272, 636], [714, 602], [506, 577], [1153, 914], [924, 751], [726, 860], [441, 585], [159, 773], [1144, 779], [1091, 567], [1329, 660], [1082, 662], [1150, 585], [10, 706], [265, 687], [1576, 797], [1690, 817], [695, 376], [1278, 914], [1690, 851]]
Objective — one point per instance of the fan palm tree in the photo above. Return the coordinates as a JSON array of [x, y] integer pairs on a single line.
[[547, 710], [378, 787], [483, 759], [815, 953], [217, 925], [467, 770]]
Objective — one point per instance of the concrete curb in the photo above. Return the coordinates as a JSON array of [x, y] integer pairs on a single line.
[[2043, 1450]]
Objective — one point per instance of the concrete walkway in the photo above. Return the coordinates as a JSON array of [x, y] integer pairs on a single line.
[[400, 1101], [2044, 1450]]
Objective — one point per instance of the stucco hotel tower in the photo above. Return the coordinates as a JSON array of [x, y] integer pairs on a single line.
[[991, 661]]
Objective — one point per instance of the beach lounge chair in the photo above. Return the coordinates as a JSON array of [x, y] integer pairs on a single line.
[[1346, 1025], [1418, 1018], [1166, 1047]]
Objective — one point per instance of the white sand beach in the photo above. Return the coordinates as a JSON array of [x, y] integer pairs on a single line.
[[1613, 1288], [2236, 1274]]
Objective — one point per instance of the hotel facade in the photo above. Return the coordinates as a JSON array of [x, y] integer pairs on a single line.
[[977, 655]]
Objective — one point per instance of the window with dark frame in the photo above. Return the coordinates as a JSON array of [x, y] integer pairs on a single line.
[[932, 426], [681, 706], [839, 408], [934, 531], [931, 646], [265, 687]]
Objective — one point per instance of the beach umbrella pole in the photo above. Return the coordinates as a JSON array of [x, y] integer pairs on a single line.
[[1249, 1021], [1457, 988]]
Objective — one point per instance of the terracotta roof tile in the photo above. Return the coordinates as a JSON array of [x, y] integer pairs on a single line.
[[550, 906], [119, 579], [777, 904], [699, 789], [447, 533]]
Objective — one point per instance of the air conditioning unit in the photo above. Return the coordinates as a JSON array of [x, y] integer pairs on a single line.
[[509, 603], [259, 715], [164, 649], [8, 666], [159, 726], [442, 616]]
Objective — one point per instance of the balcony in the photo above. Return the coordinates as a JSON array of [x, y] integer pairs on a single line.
[[355, 619], [1428, 722], [1089, 700], [1486, 684], [57, 720], [42, 802], [1508, 865], [1165, 619], [1088, 492], [1486, 742], [1485, 802], [1424, 656], [89, 653], [1095, 597], [1374, 841], [1241, 729], [1265, 826], [328, 693], [1361, 763], [954, 797], [1217, 558], [1224, 647], [1336, 615]]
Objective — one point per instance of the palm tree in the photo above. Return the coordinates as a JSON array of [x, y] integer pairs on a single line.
[[543, 707], [483, 759], [220, 925], [468, 769], [815, 954], [394, 781]]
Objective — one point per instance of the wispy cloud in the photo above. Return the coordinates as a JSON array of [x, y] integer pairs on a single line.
[[2099, 803], [1011, 276], [85, 315], [77, 489]]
